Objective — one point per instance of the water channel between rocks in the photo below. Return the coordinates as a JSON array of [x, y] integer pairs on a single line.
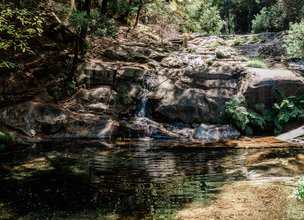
[[140, 180]]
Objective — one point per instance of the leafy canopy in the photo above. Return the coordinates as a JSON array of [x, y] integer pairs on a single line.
[[17, 27]]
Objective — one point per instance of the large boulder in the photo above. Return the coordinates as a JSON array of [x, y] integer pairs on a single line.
[[186, 106], [264, 82], [98, 100], [96, 72], [89, 126], [33, 117], [139, 53], [193, 94]]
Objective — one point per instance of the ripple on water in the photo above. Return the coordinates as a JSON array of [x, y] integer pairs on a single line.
[[76, 181]]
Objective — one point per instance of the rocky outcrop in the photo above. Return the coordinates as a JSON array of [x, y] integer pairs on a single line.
[[178, 90], [34, 117], [264, 82], [134, 52], [88, 126], [294, 136]]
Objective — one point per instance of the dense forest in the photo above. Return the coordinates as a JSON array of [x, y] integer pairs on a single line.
[[22, 21]]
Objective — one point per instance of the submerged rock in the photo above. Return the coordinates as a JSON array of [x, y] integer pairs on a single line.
[[216, 132], [139, 127]]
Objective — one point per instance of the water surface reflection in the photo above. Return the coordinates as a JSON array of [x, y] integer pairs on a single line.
[[140, 181]]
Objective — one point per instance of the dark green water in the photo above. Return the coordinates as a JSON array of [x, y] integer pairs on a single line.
[[133, 181]]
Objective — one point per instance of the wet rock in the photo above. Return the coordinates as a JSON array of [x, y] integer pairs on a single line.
[[216, 132], [139, 127], [89, 126], [274, 48]]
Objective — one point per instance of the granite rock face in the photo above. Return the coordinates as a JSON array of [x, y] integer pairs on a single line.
[[264, 82], [176, 90]]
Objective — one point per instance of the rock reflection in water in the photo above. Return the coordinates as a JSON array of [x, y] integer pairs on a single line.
[[77, 181]]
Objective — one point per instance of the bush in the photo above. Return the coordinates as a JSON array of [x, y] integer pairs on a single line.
[[6, 140], [238, 41], [17, 27], [220, 55], [294, 42], [270, 19], [299, 192], [285, 109], [257, 64], [202, 17], [235, 111]]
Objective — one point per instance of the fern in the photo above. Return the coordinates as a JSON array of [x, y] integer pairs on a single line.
[[265, 112], [288, 109], [256, 120], [278, 95], [6, 139], [236, 112]]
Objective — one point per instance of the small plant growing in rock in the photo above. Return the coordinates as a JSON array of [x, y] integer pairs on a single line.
[[191, 50], [244, 59], [287, 109], [254, 39], [215, 44], [299, 191], [257, 64], [238, 41], [220, 55]]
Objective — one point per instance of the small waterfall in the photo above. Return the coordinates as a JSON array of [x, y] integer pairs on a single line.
[[143, 106]]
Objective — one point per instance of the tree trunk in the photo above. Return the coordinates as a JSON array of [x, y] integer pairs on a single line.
[[137, 15], [84, 30], [104, 7], [80, 38]]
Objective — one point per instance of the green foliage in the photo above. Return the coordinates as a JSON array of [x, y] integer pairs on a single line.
[[238, 14], [6, 140], [257, 64], [17, 27], [284, 110], [95, 22], [219, 55], [294, 42], [255, 39], [238, 41], [202, 17], [287, 109], [215, 44], [270, 19], [278, 16], [236, 112], [299, 192]]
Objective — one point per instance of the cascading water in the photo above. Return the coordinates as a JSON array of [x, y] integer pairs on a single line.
[[143, 106]]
